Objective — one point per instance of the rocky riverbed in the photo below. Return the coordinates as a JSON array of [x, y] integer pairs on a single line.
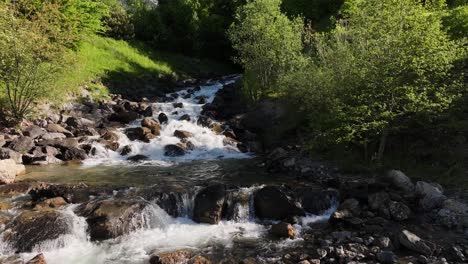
[[195, 203]]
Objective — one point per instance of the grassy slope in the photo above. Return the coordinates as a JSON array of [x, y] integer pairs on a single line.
[[104, 58]]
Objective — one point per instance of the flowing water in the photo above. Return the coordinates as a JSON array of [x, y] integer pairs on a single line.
[[211, 161]]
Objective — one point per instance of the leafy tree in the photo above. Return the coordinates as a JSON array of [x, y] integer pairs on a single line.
[[389, 61], [268, 44]]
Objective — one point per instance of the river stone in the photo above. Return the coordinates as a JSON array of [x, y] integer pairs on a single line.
[[152, 124], [317, 201], [283, 230], [9, 170], [60, 143], [386, 257], [140, 133], [162, 118], [124, 117], [178, 105], [173, 257], [33, 132], [112, 218], [71, 193], [33, 227], [182, 134], [431, 195], [126, 150], [6, 153], [2, 141], [22, 144], [48, 136], [110, 135], [209, 203], [399, 211], [271, 202], [15, 189], [199, 260], [185, 117], [39, 259], [416, 244], [55, 128], [399, 180], [73, 153], [174, 150], [138, 158]]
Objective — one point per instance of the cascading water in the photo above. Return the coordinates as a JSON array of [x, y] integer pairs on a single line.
[[207, 144]]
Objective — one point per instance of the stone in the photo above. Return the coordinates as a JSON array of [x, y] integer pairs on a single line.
[[272, 202], [386, 257], [48, 136], [110, 136], [152, 124], [31, 228], [6, 153], [9, 170], [399, 211], [70, 154], [174, 150], [454, 253], [55, 128], [138, 158], [283, 230], [185, 117], [199, 260], [162, 118], [15, 189], [182, 134], [60, 143], [209, 203], [317, 201], [178, 105], [22, 144], [399, 181], [140, 133], [112, 218], [33, 132], [39, 259], [431, 196], [416, 244], [124, 117], [126, 150], [173, 257], [2, 141], [148, 111], [56, 202]]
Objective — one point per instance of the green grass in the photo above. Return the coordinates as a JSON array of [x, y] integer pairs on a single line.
[[101, 59]]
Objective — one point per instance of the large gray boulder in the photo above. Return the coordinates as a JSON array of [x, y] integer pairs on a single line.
[[209, 204], [9, 170], [272, 202], [398, 180]]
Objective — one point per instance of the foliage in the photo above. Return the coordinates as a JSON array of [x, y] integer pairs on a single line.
[[318, 12], [456, 21], [118, 22], [30, 57], [388, 62], [268, 44]]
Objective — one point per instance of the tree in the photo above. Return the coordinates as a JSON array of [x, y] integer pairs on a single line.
[[268, 44], [387, 62]]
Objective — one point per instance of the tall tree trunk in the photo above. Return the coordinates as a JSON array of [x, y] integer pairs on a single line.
[[382, 144]]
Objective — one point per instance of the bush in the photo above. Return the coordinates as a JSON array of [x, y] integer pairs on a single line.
[[118, 24]]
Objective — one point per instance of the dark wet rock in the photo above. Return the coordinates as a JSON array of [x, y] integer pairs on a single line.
[[317, 201], [70, 154], [273, 203], [173, 257], [230, 134], [431, 195], [182, 134], [33, 227], [55, 128], [416, 244], [22, 144], [112, 218], [6, 153], [39, 259], [124, 117], [170, 200], [131, 106], [209, 203], [185, 118], [348, 210], [174, 150], [138, 158], [140, 133], [399, 211], [386, 257], [399, 180], [230, 142], [34, 132], [205, 121], [453, 214], [162, 118], [71, 193], [14, 189], [454, 253], [152, 124], [126, 150], [283, 230], [178, 105]]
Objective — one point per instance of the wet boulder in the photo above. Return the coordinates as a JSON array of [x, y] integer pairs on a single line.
[[272, 202], [140, 133], [14, 189], [174, 150], [152, 124], [178, 105], [22, 144], [70, 193], [126, 150], [9, 170], [209, 203], [162, 118], [138, 158], [185, 118], [170, 199], [283, 230], [412, 242], [112, 218], [317, 201], [398, 180], [431, 195], [182, 134], [109, 135], [73, 154], [124, 116], [33, 227], [172, 257]]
